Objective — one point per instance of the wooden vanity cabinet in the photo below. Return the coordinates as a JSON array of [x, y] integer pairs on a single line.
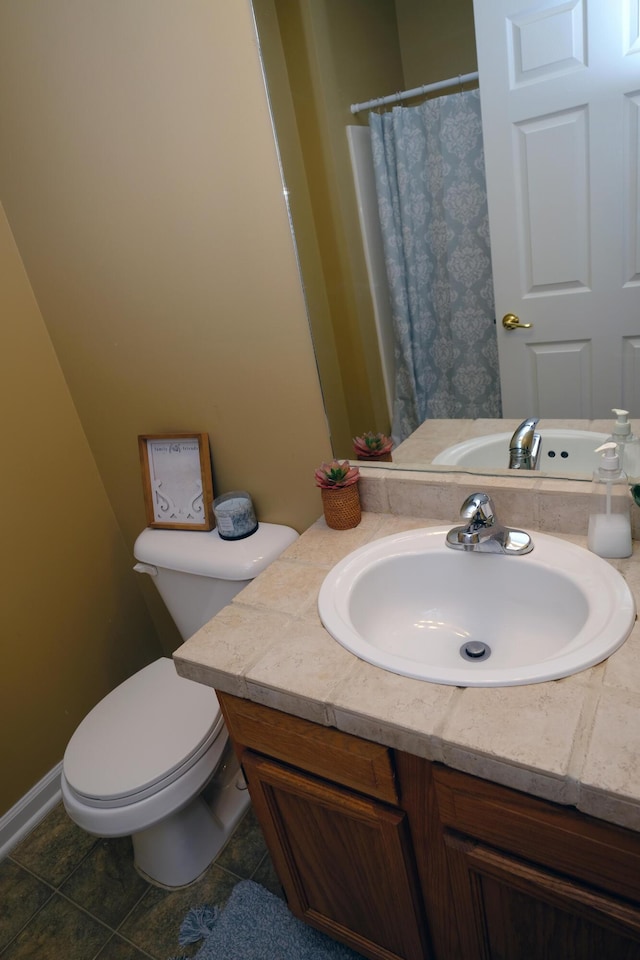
[[532, 880], [327, 803], [403, 859]]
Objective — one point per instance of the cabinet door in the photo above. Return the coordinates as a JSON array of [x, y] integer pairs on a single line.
[[508, 909], [344, 860]]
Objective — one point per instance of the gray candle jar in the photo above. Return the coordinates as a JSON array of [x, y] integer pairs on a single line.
[[235, 516]]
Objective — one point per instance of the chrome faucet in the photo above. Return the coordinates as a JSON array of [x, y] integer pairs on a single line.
[[524, 446], [482, 533]]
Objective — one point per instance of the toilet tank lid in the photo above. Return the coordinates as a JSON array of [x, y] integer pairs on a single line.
[[206, 554]]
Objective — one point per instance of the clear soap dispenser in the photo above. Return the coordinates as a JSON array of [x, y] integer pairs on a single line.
[[628, 444], [609, 518]]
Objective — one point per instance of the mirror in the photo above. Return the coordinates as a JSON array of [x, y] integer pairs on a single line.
[[319, 57], [567, 449]]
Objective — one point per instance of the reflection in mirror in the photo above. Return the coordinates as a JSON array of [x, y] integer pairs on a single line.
[[568, 449], [430, 191], [319, 58], [555, 451]]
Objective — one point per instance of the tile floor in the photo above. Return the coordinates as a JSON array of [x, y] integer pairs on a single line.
[[65, 894]]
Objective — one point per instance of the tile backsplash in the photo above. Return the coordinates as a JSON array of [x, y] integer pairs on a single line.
[[548, 505]]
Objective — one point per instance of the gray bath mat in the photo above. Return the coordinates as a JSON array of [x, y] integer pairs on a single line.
[[256, 925]]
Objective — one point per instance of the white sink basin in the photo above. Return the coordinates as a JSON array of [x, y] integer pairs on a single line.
[[561, 451], [408, 603]]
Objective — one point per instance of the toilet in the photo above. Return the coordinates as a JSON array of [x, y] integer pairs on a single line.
[[153, 759]]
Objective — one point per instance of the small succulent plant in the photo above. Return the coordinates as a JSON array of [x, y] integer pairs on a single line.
[[336, 474], [372, 444]]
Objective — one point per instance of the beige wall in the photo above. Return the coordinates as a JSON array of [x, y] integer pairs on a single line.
[[282, 101], [437, 38], [333, 53], [72, 620], [353, 48], [327, 55], [140, 179]]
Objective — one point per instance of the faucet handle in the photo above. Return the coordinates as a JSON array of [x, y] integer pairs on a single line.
[[479, 509], [483, 533]]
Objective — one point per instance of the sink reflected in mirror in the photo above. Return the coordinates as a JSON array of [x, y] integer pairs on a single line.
[[561, 451], [410, 605]]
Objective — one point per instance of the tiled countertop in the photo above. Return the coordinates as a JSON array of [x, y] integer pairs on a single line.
[[573, 741]]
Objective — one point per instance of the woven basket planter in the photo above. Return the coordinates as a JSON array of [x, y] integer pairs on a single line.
[[381, 458], [341, 507]]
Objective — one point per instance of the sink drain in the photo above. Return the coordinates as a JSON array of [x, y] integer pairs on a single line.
[[475, 650]]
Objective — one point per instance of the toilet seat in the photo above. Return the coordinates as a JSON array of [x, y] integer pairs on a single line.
[[141, 737]]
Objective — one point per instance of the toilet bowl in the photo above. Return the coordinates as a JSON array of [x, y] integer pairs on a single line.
[[152, 759]]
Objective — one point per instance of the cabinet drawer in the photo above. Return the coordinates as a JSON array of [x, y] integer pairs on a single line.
[[545, 833], [324, 751]]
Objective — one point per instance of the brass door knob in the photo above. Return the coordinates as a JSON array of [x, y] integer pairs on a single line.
[[511, 322]]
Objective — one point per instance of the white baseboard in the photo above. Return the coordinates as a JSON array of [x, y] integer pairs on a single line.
[[29, 811]]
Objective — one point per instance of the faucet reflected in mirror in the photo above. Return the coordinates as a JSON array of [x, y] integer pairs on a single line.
[[525, 446]]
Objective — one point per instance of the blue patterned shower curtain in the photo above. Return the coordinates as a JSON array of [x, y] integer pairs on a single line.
[[429, 168]]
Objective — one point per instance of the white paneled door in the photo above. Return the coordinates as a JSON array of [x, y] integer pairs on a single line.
[[560, 94]]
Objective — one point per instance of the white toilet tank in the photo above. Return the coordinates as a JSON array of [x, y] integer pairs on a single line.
[[197, 573]]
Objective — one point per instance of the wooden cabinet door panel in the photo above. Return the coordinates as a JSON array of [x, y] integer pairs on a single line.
[[557, 837], [509, 909], [344, 860]]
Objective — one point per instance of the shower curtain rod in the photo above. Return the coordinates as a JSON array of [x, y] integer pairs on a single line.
[[418, 91]]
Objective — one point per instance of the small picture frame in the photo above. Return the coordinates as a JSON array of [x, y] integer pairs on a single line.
[[176, 480]]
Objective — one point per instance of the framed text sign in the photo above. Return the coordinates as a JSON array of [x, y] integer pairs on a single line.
[[176, 479]]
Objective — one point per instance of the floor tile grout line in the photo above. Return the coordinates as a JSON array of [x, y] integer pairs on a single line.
[[236, 876], [58, 890], [81, 861], [124, 919], [114, 932], [26, 924], [117, 929], [86, 911], [52, 893], [141, 950], [103, 947], [33, 874], [66, 877], [263, 859]]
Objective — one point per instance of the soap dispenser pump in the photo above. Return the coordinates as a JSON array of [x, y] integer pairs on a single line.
[[622, 427], [628, 444], [609, 532]]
